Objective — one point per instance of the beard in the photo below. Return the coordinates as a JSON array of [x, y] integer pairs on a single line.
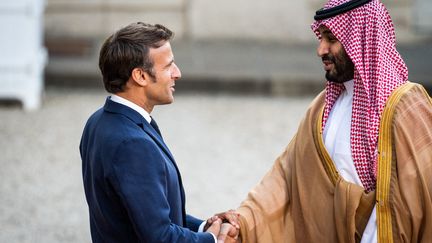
[[343, 67]]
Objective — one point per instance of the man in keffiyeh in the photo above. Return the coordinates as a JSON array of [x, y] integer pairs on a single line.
[[360, 166]]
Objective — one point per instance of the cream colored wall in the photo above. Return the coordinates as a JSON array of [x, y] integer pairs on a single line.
[[278, 20], [95, 18], [273, 20]]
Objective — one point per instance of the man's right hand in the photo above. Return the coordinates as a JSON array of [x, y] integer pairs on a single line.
[[215, 227], [228, 234]]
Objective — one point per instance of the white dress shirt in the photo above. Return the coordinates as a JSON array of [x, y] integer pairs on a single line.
[[338, 143], [131, 105]]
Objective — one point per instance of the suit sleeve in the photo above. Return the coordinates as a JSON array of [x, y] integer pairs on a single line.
[[138, 176], [193, 223]]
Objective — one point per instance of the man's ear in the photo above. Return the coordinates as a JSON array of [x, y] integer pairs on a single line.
[[139, 76]]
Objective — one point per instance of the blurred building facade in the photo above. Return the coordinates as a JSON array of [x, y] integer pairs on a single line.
[[272, 20], [226, 45]]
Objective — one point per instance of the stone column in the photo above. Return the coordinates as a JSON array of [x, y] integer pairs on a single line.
[[23, 56]]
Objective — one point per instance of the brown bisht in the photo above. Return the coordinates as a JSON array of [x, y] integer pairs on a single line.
[[303, 198]]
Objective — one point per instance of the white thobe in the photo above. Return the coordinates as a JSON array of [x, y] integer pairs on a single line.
[[337, 141]]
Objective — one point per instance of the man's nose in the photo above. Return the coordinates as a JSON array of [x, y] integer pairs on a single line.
[[323, 48], [176, 72]]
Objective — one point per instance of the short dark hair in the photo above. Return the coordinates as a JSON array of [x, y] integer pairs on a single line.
[[127, 49]]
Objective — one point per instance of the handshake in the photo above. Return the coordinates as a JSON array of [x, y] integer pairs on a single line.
[[225, 226]]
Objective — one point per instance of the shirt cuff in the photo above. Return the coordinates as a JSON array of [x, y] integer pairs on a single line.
[[201, 229]]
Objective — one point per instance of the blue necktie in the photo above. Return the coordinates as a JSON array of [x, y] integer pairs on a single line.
[[155, 126]]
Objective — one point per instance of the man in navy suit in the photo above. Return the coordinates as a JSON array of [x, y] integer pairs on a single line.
[[132, 184]]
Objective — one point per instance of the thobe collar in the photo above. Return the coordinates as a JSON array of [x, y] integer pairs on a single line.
[[349, 87]]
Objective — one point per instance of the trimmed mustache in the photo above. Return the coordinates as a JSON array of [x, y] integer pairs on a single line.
[[328, 57]]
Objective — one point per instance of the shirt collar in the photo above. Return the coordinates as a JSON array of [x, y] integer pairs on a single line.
[[131, 105], [349, 87]]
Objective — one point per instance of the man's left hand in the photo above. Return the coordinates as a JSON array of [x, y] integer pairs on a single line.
[[228, 234]]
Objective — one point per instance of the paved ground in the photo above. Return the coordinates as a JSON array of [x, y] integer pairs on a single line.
[[223, 145]]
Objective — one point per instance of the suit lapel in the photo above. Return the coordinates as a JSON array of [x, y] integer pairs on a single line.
[[115, 107], [158, 139]]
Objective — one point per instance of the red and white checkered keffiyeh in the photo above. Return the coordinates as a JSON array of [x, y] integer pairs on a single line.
[[367, 34]]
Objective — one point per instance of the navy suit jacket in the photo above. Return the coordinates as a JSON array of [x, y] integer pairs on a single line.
[[132, 184]]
